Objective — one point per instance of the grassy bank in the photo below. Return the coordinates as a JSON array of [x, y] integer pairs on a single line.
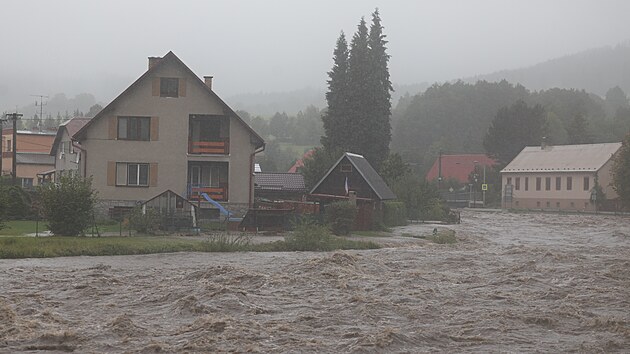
[[57, 246]]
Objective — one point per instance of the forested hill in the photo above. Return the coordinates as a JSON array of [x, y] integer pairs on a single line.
[[595, 70]]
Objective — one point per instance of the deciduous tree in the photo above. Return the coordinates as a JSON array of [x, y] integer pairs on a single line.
[[512, 129], [621, 172]]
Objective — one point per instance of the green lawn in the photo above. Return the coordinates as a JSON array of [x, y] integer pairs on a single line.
[[23, 227]]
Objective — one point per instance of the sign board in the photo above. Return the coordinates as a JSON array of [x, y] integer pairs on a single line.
[[484, 187]]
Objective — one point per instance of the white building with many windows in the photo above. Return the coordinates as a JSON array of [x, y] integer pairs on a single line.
[[561, 177]]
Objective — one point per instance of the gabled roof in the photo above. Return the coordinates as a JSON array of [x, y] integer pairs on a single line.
[[72, 126], [170, 57], [279, 181], [458, 166], [563, 158], [366, 171]]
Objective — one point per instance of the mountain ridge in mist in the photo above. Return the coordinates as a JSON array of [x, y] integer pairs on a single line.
[[593, 70]]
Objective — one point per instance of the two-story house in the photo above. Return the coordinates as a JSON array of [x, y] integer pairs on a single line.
[[32, 160], [170, 131], [67, 153], [561, 177]]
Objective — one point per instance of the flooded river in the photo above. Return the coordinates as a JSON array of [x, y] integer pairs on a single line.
[[512, 283]]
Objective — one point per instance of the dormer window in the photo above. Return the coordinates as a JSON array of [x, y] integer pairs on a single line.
[[169, 87]]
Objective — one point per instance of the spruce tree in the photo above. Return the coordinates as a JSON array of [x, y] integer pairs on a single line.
[[335, 118], [360, 94], [381, 91]]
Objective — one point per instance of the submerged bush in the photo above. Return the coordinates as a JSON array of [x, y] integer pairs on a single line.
[[309, 236]]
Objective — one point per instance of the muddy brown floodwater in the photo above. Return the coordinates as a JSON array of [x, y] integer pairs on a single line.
[[512, 283]]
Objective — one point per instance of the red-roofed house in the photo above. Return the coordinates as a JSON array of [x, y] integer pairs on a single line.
[[457, 167], [300, 163]]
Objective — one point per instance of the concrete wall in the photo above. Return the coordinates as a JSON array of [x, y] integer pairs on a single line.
[[170, 150]]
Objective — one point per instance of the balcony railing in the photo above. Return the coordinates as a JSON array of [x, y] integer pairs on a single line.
[[216, 193], [221, 147]]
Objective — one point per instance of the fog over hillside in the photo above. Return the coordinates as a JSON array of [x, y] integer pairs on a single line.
[[283, 46]]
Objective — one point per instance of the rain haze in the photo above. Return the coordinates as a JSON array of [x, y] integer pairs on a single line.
[[75, 47]]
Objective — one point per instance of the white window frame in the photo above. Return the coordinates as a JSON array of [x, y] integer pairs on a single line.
[[124, 176]]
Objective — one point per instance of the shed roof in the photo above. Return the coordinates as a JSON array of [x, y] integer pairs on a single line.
[[34, 158], [368, 173], [563, 158], [279, 181]]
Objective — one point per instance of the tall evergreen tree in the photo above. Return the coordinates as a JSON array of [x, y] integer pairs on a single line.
[[359, 96], [377, 146], [335, 118]]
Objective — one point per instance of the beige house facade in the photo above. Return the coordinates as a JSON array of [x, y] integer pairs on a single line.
[[562, 177], [66, 152], [170, 131]]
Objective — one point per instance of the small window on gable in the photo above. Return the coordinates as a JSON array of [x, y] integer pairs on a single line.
[[169, 87], [346, 167]]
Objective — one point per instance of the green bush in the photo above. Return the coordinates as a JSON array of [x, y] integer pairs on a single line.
[[16, 203], [394, 214], [145, 223], [309, 236], [68, 204], [340, 216]]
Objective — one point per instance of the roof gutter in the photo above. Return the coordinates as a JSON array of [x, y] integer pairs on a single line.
[[251, 174]]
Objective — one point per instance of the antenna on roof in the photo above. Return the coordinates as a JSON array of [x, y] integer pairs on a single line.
[[41, 109]]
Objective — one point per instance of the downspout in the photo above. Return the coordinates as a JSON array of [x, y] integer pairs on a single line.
[[251, 174], [83, 157]]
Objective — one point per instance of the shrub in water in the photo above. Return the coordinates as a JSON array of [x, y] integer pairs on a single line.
[[309, 236], [340, 216]]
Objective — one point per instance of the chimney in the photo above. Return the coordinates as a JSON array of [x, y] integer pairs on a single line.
[[208, 81], [153, 61], [543, 144]]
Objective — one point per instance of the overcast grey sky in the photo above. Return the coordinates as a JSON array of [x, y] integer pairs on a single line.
[[100, 47]]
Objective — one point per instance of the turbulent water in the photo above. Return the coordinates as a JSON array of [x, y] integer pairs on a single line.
[[512, 283]]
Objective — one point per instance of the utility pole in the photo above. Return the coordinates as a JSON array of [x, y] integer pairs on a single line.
[[41, 109], [14, 117]]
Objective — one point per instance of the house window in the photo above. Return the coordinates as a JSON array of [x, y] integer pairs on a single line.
[[9, 146], [27, 183], [538, 204], [346, 167], [509, 180], [587, 183], [132, 174], [569, 183], [538, 183], [134, 128], [558, 205], [547, 183], [517, 183], [169, 87], [526, 183], [558, 183], [572, 205], [548, 204], [516, 202]]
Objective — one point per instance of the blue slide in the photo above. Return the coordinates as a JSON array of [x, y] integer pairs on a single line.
[[216, 204]]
